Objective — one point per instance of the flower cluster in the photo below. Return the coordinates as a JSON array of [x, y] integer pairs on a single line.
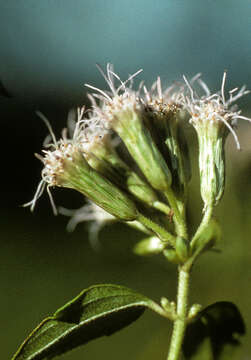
[[129, 154]]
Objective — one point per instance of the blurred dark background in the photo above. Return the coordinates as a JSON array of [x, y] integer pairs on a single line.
[[48, 50]]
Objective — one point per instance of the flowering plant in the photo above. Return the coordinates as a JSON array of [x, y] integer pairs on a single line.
[[129, 156]]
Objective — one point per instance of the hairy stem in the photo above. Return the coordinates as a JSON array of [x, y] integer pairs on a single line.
[[203, 225], [179, 220], [180, 322], [157, 229]]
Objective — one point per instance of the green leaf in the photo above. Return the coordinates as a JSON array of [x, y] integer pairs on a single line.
[[214, 334], [97, 311]]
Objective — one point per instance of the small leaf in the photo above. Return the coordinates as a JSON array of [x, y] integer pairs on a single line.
[[214, 332], [97, 311]]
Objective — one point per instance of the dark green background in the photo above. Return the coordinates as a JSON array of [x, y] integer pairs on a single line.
[[47, 52]]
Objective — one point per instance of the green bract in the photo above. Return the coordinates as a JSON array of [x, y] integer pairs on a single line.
[[129, 125], [67, 167]]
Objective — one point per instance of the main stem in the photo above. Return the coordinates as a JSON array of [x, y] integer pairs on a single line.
[[179, 326]]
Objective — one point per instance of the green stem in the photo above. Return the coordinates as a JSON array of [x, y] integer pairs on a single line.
[[203, 225], [179, 326], [157, 229], [159, 310], [179, 220], [162, 207]]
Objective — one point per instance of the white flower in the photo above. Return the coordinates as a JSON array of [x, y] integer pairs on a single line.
[[90, 212], [118, 99], [214, 108]]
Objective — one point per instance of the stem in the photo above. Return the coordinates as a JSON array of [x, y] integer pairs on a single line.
[[162, 207], [180, 223], [179, 326], [203, 225], [157, 229], [159, 310]]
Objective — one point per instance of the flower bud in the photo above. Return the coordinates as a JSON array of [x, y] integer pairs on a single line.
[[194, 311], [171, 256], [164, 123], [149, 246], [128, 122], [67, 167], [102, 156], [169, 306], [213, 118], [124, 113]]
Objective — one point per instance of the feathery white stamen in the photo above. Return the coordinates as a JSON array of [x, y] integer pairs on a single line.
[[214, 107], [232, 131], [89, 212], [45, 120], [223, 87], [159, 89], [108, 80], [147, 94], [54, 208], [131, 77], [189, 87], [37, 195], [106, 96], [204, 87], [243, 118]]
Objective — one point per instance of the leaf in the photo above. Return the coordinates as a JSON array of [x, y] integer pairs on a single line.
[[214, 333], [97, 311]]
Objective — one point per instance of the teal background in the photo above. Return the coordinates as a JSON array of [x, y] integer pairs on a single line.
[[48, 51]]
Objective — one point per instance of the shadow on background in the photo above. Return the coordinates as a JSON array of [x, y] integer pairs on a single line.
[[48, 51]]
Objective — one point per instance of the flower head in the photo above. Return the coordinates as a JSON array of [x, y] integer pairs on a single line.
[[214, 110], [213, 117], [95, 215], [123, 110], [164, 120], [65, 166], [117, 99]]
